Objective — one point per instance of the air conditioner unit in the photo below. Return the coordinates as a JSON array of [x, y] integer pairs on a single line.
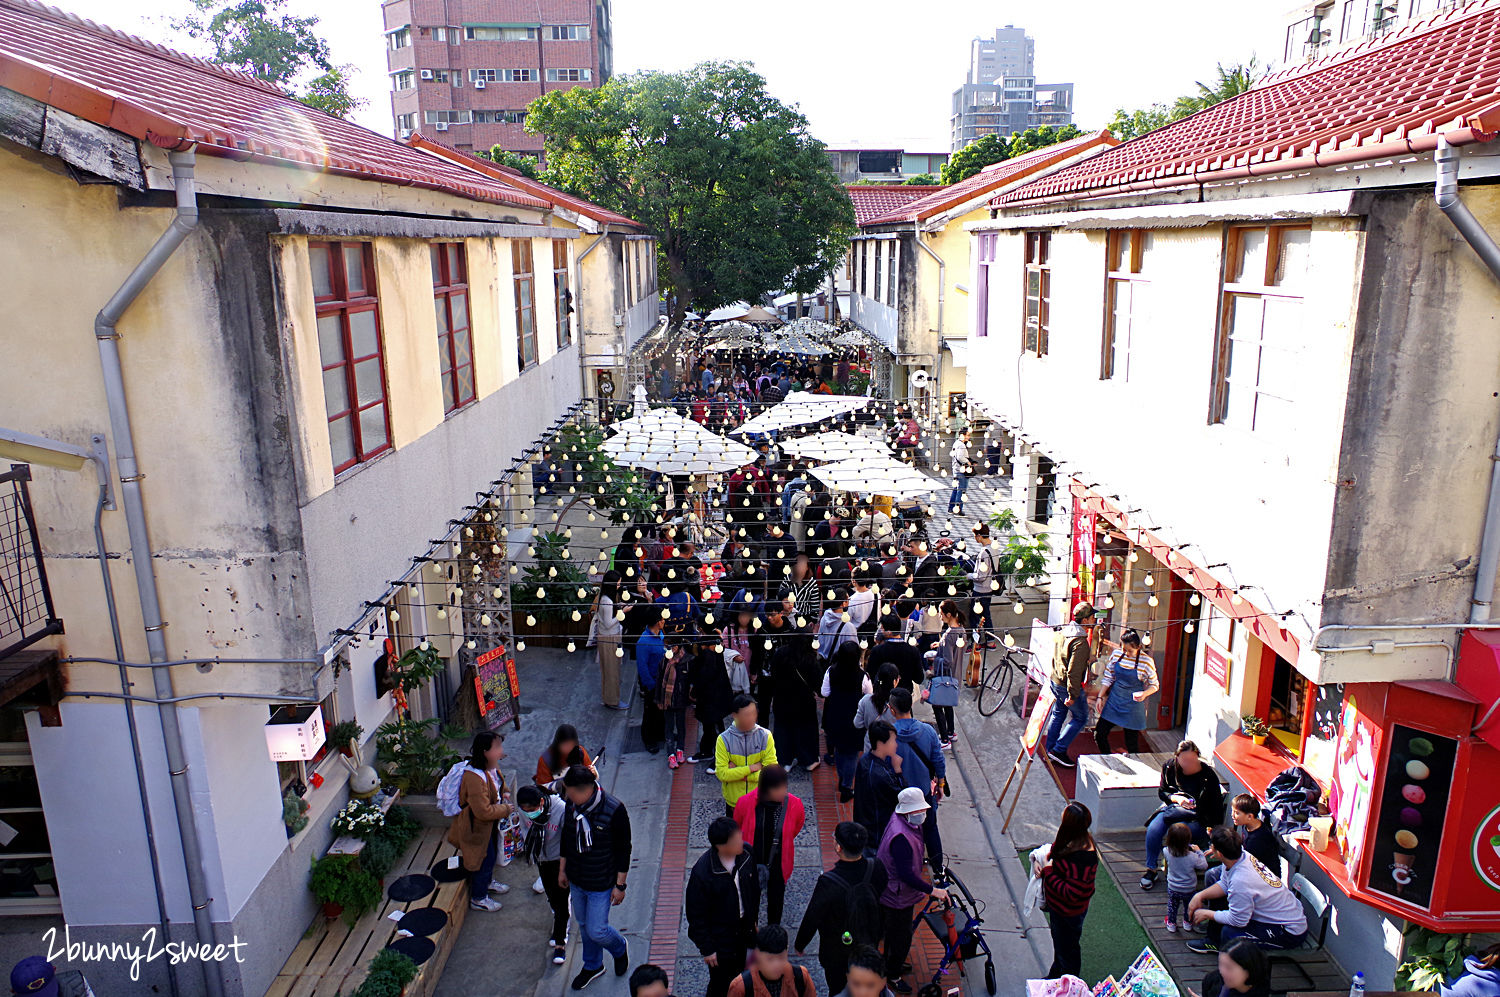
[[406, 133], [442, 126], [426, 74], [479, 84]]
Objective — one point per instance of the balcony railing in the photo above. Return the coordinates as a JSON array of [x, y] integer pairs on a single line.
[[26, 611]]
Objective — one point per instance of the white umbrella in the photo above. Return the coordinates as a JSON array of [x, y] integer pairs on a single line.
[[802, 408], [875, 476], [833, 446], [737, 310], [734, 327], [662, 440]]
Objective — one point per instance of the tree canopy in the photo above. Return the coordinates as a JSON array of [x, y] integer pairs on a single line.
[[920, 180], [990, 149], [1231, 81], [253, 37], [741, 199], [519, 161]]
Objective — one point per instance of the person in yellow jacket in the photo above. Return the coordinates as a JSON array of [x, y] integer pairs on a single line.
[[741, 752]]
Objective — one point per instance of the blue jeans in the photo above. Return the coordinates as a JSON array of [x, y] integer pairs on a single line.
[[1156, 832], [591, 909], [844, 762], [956, 497], [479, 882], [1066, 721]]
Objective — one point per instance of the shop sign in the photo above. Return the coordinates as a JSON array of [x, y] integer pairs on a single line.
[[497, 689], [1486, 849], [295, 733], [1039, 665], [1353, 780], [1413, 803], [1216, 665]]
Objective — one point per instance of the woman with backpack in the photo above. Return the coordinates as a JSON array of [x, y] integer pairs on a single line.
[[544, 812], [1068, 886], [483, 802]]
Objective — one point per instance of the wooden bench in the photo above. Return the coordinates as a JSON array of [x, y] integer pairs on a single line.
[[1120, 854], [332, 957]]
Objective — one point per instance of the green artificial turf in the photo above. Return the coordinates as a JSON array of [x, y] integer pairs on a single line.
[[1112, 937]]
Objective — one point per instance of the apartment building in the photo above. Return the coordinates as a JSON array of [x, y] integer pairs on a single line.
[[320, 347], [464, 70], [887, 165], [1323, 27], [1246, 363], [1000, 94]]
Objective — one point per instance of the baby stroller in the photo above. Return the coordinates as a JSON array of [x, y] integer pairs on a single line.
[[957, 926]]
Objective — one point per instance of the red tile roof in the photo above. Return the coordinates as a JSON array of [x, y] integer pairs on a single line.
[[995, 176], [515, 178], [1392, 96], [874, 200], [173, 100]]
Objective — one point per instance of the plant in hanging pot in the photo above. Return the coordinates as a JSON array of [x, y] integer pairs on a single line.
[[343, 887], [344, 734], [1255, 728], [293, 813]]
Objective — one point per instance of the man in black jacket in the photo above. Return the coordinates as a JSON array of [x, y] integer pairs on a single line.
[[723, 899], [922, 570], [844, 911], [906, 658], [878, 781], [595, 862]]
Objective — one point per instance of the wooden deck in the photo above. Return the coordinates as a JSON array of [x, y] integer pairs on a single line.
[[332, 957], [1121, 855]]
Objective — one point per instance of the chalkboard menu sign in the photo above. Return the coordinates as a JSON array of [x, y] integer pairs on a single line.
[[497, 689], [1413, 805]]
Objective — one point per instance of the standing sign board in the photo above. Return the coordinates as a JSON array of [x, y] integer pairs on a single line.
[[497, 688]]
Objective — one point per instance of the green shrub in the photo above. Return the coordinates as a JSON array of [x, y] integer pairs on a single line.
[[339, 879], [389, 972]]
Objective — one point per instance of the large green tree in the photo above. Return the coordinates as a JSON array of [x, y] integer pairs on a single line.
[[983, 151], [255, 37], [1230, 81], [521, 162], [1033, 139], [741, 198]]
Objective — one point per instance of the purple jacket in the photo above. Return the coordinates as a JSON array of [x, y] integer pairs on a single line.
[[898, 892]]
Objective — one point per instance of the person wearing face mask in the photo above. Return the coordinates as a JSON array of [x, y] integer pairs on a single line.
[[900, 852], [544, 812]]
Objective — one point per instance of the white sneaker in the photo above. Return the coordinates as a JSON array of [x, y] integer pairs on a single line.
[[537, 887], [484, 903], [498, 887]]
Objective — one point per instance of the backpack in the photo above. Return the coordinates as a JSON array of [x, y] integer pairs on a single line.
[[862, 921], [800, 978], [447, 791]]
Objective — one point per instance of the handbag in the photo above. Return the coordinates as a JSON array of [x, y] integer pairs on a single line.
[[942, 690]]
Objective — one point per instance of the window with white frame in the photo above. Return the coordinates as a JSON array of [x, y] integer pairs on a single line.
[[406, 122], [1127, 292], [501, 33], [569, 75], [447, 117], [1257, 363], [488, 75], [1037, 288], [399, 39], [569, 32], [875, 279], [985, 252], [890, 273], [518, 75], [404, 80]]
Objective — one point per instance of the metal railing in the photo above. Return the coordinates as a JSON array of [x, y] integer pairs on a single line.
[[26, 611]]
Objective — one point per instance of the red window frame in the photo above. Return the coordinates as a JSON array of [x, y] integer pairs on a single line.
[[450, 298], [523, 284], [560, 293], [342, 301]]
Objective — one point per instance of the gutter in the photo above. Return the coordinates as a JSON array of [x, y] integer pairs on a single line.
[[133, 500], [1446, 194]]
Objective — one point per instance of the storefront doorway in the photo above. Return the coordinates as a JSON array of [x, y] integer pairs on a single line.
[[1187, 658], [28, 879]]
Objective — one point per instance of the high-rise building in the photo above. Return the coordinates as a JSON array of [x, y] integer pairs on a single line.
[[463, 71], [1321, 27], [1000, 94]]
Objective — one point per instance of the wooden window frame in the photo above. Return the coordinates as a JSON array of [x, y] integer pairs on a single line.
[[1232, 288], [339, 302], [890, 274], [984, 247], [1128, 271], [450, 284], [879, 265], [1036, 249], [561, 292], [524, 280]]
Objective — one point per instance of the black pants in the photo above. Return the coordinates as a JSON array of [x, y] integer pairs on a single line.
[[653, 724], [943, 717], [835, 971], [731, 964], [1103, 728], [1067, 950], [710, 726], [796, 731], [898, 935], [776, 894], [557, 898]]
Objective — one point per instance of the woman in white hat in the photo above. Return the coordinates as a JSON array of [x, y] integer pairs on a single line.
[[900, 852]]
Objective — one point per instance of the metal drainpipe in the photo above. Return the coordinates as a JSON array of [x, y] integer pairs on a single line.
[[583, 374], [133, 502], [916, 228], [1489, 253]]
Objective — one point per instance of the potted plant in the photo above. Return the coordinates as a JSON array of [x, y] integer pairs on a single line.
[[388, 975], [343, 887], [1024, 558], [293, 813], [414, 754], [359, 819], [1255, 728], [546, 600], [344, 734]]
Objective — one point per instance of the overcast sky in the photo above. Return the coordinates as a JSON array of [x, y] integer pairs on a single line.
[[874, 73]]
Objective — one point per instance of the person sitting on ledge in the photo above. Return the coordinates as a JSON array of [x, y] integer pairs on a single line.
[[1190, 794], [1260, 905]]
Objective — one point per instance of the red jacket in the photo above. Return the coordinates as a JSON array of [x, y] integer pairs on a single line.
[[791, 825]]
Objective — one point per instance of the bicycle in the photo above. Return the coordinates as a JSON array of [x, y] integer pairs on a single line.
[[994, 685]]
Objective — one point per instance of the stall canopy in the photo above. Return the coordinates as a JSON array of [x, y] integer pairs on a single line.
[[760, 314], [833, 446], [662, 440], [802, 408], [726, 312], [875, 476]]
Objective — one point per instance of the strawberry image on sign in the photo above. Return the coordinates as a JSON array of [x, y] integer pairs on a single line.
[[1486, 851]]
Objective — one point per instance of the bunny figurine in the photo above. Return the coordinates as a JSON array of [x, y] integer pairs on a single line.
[[363, 780]]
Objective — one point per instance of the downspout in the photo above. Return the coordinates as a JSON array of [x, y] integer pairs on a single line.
[[133, 501], [916, 228], [583, 376], [1489, 253]]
